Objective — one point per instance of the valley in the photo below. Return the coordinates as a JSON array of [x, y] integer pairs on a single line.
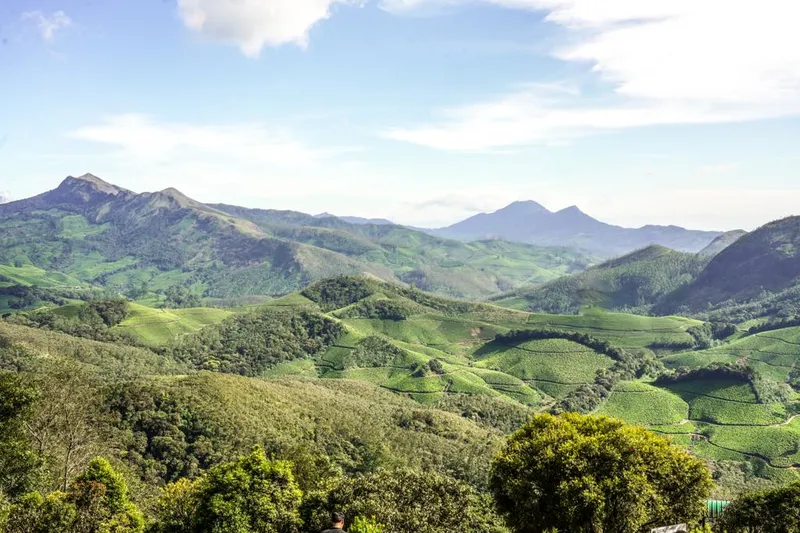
[[192, 333]]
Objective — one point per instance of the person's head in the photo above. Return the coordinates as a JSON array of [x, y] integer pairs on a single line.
[[337, 519]]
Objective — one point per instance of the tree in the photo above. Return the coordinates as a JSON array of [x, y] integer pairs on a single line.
[[62, 428], [769, 511], [19, 465], [250, 495], [97, 502], [589, 474], [410, 500]]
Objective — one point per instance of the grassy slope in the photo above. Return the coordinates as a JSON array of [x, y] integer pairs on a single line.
[[637, 280], [160, 326]]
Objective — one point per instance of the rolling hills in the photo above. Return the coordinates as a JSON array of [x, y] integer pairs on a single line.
[[532, 223], [635, 281], [731, 403], [89, 233], [736, 279]]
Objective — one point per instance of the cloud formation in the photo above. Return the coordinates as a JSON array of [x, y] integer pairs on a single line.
[[652, 63], [140, 137], [48, 25], [4, 197], [253, 24]]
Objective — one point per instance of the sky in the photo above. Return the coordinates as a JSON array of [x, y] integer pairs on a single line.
[[425, 112]]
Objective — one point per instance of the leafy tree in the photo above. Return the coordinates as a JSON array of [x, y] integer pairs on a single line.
[[97, 502], [584, 473], [19, 465], [180, 297], [410, 500], [365, 525], [769, 511], [112, 311], [250, 495]]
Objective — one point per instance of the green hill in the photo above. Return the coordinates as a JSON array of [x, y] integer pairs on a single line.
[[762, 266], [633, 282], [421, 355], [90, 233]]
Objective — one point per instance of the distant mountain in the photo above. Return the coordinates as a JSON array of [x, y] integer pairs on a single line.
[[532, 223], [761, 266], [632, 282], [90, 232], [358, 220], [722, 242]]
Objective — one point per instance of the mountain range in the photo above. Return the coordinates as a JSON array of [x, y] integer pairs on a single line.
[[532, 223], [90, 232], [740, 276]]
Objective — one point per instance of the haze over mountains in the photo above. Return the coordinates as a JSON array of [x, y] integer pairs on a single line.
[[532, 223]]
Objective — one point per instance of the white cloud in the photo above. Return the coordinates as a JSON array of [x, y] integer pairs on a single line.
[[139, 137], [655, 62], [48, 25], [254, 24], [4, 197]]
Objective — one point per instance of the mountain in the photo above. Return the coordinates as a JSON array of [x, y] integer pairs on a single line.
[[88, 232], [722, 242], [358, 220], [635, 281], [760, 265], [532, 223]]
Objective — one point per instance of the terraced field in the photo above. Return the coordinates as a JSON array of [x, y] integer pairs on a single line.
[[444, 348], [644, 404], [773, 354], [623, 330], [160, 326]]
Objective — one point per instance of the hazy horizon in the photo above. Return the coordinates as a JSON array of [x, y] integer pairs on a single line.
[[423, 112]]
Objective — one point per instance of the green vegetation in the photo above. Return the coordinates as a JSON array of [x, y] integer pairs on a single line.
[[771, 511], [88, 233], [565, 473], [640, 403], [635, 281]]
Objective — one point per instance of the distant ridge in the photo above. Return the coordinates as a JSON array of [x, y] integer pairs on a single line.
[[357, 220], [532, 223], [88, 231]]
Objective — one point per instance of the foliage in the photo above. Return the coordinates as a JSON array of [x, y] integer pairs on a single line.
[[96, 502], [338, 292], [713, 371], [409, 500], [383, 309], [112, 311], [363, 524], [373, 351], [638, 280], [252, 494], [582, 473], [180, 297], [19, 465], [250, 343], [770, 511]]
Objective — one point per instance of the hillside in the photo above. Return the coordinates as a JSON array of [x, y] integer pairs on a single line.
[[89, 233], [530, 222], [353, 341], [722, 242], [761, 270], [635, 281]]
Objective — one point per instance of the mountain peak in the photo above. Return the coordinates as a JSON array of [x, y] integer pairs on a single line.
[[573, 209], [524, 207], [89, 183]]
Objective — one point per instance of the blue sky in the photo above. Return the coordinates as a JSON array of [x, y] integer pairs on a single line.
[[422, 111]]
